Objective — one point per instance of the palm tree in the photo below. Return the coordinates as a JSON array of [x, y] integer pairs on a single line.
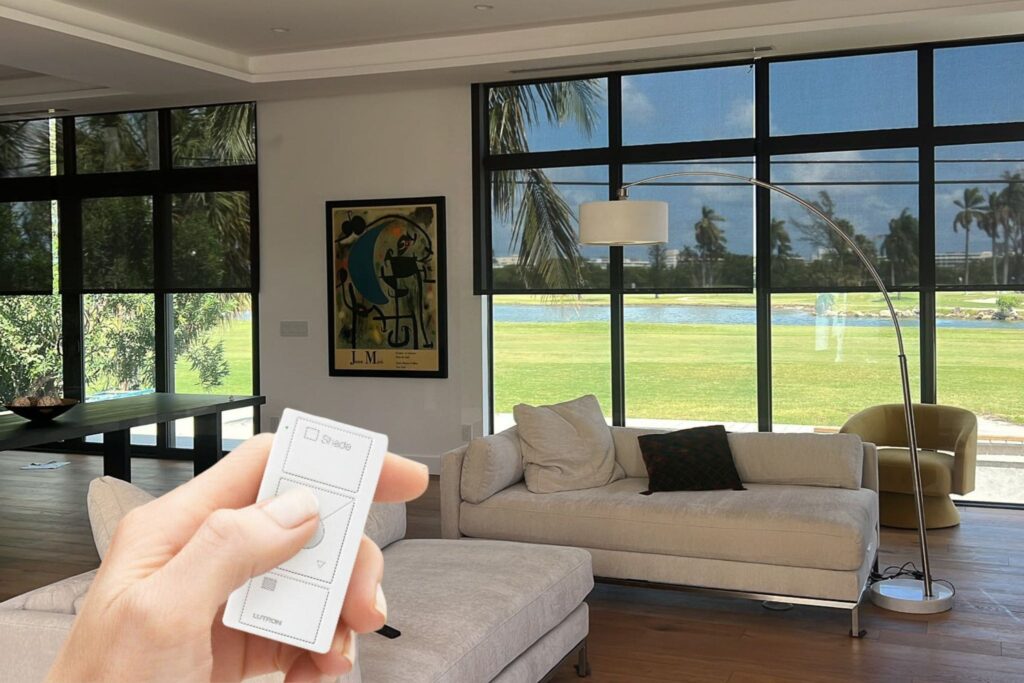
[[25, 148], [820, 236], [710, 241], [217, 136], [778, 238], [970, 211], [990, 222], [900, 245], [657, 253], [542, 221], [1013, 229]]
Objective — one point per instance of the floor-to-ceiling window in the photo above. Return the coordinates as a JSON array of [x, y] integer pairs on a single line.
[[127, 259], [753, 313]]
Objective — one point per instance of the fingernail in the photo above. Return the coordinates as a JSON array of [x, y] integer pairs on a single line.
[[349, 651], [293, 507], [380, 604]]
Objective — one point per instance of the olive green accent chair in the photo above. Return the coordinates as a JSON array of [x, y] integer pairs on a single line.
[[947, 447]]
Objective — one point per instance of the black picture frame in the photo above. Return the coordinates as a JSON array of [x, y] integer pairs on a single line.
[[381, 305]]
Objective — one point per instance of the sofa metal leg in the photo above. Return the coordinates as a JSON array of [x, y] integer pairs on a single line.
[[855, 629], [582, 663]]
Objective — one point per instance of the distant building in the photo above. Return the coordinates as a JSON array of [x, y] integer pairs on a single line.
[[952, 258]]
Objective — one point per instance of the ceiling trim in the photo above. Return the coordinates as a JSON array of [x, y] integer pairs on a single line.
[[64, 95]]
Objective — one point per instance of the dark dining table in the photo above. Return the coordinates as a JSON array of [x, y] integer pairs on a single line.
[[114, 418]]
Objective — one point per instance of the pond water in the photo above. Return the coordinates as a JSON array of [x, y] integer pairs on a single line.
[[707, 315]]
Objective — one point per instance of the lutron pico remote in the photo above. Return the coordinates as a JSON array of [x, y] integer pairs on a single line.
[[299, 601]]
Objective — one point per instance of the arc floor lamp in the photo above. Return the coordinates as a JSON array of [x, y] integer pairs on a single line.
[[622, 223]]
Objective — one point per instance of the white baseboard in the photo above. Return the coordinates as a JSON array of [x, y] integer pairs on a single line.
[[433, 461]]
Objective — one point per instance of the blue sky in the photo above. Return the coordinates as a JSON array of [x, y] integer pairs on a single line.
[[972, 85]]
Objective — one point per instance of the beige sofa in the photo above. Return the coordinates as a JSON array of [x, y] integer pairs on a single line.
[[468, 612], [805, 531]]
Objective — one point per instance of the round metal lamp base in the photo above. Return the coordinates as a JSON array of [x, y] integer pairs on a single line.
[[907, 596]]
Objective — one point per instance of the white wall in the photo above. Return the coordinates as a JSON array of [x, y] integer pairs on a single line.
[[405, 144]]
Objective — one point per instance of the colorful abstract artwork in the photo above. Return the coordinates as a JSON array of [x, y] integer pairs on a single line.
[[387, 287]]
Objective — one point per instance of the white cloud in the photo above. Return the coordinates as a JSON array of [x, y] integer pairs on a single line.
[[740, 118], [636, 106]]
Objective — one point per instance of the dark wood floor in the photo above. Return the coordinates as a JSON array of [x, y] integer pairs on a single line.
[[645, 634]]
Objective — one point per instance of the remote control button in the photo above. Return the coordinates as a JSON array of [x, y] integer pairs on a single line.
[[319, 558], [314, 443], [277, 604], [317, 536]]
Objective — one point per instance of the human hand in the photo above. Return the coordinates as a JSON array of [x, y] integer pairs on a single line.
[[153, 613]]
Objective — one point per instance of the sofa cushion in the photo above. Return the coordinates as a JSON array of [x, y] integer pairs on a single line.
[[386, 523], [834, 460], [467, 609], [894, 472], [109, 500], [627, 449], [695, 459], [799, 526], [491, 464], [62, 597], [566, 446]]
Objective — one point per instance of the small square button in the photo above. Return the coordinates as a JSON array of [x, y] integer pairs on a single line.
[[311, 434], [268, 584]]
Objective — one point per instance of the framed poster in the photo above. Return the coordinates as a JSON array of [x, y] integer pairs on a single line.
[[386, 288]]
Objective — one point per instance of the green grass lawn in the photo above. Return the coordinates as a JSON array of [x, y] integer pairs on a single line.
[[708, 372], [237, 338]]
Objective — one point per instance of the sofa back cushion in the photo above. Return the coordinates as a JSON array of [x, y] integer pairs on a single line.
[[491, 464], [627, 449], [834, 460], [566, 446], [109, 500]]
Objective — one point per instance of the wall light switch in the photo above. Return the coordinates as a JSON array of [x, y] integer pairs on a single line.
[[294, 328]]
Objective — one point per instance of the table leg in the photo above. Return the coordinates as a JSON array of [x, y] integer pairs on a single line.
[[207, 442], [117, 454]]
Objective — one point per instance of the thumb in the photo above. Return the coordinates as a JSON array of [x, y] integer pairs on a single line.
[[232, 546]]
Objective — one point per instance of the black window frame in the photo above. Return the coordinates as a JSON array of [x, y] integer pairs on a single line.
[[70, 188], [763, 147]]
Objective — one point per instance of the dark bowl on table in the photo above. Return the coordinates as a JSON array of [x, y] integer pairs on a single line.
[[40, 414]]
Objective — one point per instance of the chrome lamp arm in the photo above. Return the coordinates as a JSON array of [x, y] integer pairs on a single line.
[[906, 600]]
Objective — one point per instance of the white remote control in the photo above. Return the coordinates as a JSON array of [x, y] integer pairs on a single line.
[[299, 602]]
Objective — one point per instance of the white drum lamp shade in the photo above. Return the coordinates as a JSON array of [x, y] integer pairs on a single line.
[[623, 222]]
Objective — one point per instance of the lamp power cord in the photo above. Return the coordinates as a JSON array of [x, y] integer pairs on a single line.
[[905, 570]]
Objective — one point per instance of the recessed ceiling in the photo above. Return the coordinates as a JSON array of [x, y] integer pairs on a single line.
[[247, 25], [109, 55]]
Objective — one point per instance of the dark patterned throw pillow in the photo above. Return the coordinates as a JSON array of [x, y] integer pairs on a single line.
[[697, 459]]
